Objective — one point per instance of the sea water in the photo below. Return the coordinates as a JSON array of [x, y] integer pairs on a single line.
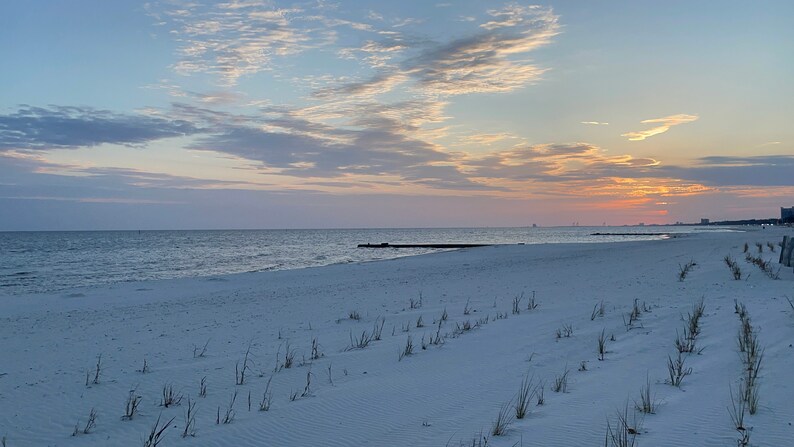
[[36, 262]]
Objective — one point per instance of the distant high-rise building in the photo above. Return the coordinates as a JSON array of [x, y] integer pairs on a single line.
[[787, 214], [704, 221]]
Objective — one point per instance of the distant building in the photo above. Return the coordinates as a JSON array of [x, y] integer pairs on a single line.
[[787, 214], [704, 221]]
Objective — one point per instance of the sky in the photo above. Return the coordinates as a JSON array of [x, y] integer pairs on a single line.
[[328, 114]]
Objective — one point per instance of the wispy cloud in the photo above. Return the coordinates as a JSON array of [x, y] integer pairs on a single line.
[[595, 123], [235, 39], [664, 124]]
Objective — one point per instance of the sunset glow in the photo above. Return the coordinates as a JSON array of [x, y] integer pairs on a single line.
[[244, 114]]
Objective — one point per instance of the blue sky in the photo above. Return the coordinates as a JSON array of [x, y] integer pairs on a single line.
[[246, 114]]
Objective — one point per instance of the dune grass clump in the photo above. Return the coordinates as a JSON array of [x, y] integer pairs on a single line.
[[89, 426], [531, 303], [92, 376], [517, 303], [190, 419], [359, 342], [736, 271], [624, 432], [157, 432], [228, 416], [764, 265], [602, 346], [267, 397], [171, 397], [354, 315], [316, 353], [598, 310], [634, 314], [684, 343], [203, 387], [503, 420], [683, 270], [526, 392], [560, 384], [131, 406], [565, 331], [647, 403], [377, 329], [239, 372], [407, 350], [677, 370], [752, 355], [738, 408], [200, 352]]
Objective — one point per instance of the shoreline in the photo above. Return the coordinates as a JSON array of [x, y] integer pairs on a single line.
[[446, 391]]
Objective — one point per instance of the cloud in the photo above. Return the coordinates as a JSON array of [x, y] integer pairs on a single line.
[[719, 171], [664, 125], [487, 138], [595, 123], [235, 39], [58, 127]]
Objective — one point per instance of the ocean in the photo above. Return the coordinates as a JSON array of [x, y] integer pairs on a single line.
[[42, 262]]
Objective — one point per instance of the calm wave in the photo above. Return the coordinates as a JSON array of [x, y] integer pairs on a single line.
[[34, 262]]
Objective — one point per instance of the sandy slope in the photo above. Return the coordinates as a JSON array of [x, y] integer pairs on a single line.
[[440, 396]]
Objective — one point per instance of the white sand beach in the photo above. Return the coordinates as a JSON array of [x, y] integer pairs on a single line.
[[447, 393]]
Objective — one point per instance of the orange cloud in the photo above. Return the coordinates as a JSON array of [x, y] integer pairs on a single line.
[[664, 125]]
